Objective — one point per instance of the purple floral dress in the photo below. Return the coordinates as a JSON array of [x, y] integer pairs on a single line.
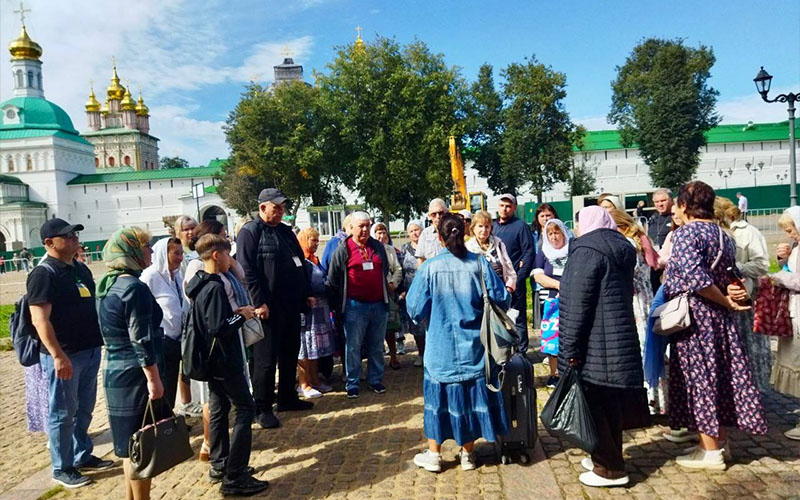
[[710, 383]]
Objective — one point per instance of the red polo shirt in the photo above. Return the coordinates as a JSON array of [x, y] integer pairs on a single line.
[[365, 285]]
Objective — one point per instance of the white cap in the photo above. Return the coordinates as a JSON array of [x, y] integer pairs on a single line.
[[465, 214], [510, 197]]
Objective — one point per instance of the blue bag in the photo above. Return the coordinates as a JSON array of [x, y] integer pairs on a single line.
[[550, 327]]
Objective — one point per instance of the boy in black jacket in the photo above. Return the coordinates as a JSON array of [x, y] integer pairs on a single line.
[[213, 318]]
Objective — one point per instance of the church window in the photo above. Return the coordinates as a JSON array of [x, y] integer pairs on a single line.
[[127, 160], [111, 161], [30, 79], [39, 80], [96, 161], [29, 163], [19, 83], [11, 114], [10, 165]]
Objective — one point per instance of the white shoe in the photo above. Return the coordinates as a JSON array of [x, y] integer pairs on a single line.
[[418, 362], [323, 388], [726, 452], [702, 459], [467, 460], [431, 462], [793, 433], [680, 436], [311, 393], [592, 479], [401, 347], [191, 410], [587, 464]]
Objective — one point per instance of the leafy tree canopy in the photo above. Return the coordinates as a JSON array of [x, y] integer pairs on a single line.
[[173, 162]]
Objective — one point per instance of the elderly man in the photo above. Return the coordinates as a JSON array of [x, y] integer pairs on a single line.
[[518, 239], [429, 245], [272, 261], [658, 226], [359, 292]]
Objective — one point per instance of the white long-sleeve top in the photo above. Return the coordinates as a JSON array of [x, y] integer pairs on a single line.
[[752, 257], [167, 289]]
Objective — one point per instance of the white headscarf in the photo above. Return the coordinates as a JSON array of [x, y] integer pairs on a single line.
[[555, 253], [794, 213]]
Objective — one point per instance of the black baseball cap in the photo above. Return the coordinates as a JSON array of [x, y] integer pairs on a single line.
[[273, 195], [57, 227]]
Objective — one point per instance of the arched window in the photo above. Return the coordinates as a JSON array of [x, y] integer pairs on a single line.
[[111, 161], [30, 79], [96, 161], [19, 83], [10, 165], [127, 160], [39, 80], [29, 163]]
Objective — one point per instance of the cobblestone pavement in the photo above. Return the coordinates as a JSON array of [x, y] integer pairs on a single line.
[[363, 449]]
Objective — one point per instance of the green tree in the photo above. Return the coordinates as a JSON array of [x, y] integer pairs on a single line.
[[663, 103], [538, 133], [275, 137], [173, 162], [390, 111], [485, 134]]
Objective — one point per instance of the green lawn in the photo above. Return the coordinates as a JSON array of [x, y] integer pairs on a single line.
[[5, 313]]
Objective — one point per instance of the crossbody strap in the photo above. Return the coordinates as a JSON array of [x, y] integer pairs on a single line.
[[721, 247]]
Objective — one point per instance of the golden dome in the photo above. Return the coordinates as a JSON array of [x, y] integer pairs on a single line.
[[359, 43], [105, 107], [92, 105], [115, 90], [128, 104], [141, 109], [24, 48]]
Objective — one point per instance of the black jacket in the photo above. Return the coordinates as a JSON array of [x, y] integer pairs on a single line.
[[257, 252], [596, 324], [337, 272], [211, 317]]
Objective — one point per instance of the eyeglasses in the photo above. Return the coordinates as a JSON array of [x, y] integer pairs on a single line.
[[435, 214]]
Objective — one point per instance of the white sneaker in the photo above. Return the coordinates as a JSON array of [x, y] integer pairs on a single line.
[[587, 463], [192, 410], [701, 459], [401, 347], [418, 362], [592, 479], [726, 452], [793, 433], [467, 460], [680, 436], [431, 462], [311, 393], [323, 388]]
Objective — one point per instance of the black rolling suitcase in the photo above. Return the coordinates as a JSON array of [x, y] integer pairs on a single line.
[[519, 398]]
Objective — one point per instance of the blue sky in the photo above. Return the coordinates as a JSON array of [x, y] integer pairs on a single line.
[[191, 59]]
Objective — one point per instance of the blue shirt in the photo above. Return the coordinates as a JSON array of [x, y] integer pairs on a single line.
[[331, 247], [446, 293], [519, 245]]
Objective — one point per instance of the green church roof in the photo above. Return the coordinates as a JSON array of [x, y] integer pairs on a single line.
[[38, 117], [598, 140], [147, 175]]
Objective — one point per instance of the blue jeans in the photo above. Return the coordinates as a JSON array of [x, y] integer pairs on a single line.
[[71, 405], [364, 322]]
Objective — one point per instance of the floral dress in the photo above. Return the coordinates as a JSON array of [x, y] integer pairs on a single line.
[[710, 383]]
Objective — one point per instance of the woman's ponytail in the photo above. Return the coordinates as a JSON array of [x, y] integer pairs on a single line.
[[452, 229]]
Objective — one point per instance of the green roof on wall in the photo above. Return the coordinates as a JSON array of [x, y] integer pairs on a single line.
[[147, 175]]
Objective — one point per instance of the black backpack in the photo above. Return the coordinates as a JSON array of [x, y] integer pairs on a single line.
[[197, 347], [23, 334]]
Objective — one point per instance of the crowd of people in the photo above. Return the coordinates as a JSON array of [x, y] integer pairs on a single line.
[[273, 306]]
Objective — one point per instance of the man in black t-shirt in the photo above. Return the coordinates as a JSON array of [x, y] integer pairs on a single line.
[[62, 302], [275, 275]]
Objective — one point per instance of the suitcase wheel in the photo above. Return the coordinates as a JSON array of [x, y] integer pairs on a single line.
[[505, 459], [524, 458]]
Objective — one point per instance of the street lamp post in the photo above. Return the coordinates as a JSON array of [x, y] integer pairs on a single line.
[[782, 177], [725, 174], [754, 169], [763, 80]]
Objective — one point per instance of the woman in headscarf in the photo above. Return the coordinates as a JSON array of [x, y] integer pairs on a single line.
[[598, 336], [380, 232], [316, 335], [548, 267], [130, 320], [409, 263], [786, 372]]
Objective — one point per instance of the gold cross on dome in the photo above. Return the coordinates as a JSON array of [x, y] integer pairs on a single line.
[[287, 52], [358, 30], [22, 10]]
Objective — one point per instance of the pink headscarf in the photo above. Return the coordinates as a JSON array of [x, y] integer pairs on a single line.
[[594, 217]]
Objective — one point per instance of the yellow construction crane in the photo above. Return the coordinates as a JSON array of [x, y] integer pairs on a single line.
[[460, 199]]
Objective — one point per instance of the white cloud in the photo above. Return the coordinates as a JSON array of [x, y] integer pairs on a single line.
[[594, 123], [751, 108], [169, 50]]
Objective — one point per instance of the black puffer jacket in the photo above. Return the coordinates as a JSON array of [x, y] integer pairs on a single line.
[[596, 322]]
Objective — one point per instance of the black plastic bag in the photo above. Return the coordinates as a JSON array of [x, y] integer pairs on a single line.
[[566, 414]]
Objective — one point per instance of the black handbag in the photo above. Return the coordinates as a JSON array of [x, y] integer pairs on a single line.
[[158, 446], [566, 414]]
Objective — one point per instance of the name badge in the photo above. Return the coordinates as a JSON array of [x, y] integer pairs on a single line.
[[297, 261], [85, 293], [368, 266]]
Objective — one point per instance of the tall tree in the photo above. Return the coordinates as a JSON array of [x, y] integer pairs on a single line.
[[485, 133], [663, 103], [537, 141], [173, 162], [275, 137], [391, 110], [581, 179]]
